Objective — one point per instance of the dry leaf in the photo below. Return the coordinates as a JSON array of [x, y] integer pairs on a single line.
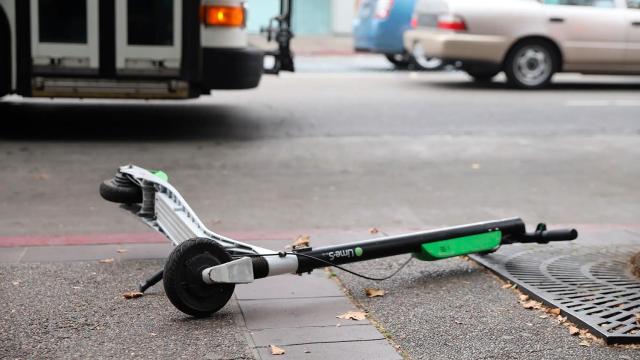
[[506, 286], [276, 350], [121, 251], [41, 175], [584, 343], [573, 330], [555, 311], [302, 241], [373, 231], [638, 318], [132, 294], [107, 261], [372, 292], [524, 297], [531, 304], [353, 315]]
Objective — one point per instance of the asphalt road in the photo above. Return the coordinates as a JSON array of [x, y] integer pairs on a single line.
[[330, 149]]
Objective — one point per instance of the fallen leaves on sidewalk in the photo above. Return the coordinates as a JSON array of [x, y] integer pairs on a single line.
[[132, 294], [554, 311], [586, 338], [638, 318], [373, 292], [531, 304], [302, 241], [41, 175], [107, 261], [276, 350], [353, 315]]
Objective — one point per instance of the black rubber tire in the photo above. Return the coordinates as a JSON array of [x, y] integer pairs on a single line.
[[416, 66], [509, 63], [400, 61], [183, 282], [482, 76], [121, 190]]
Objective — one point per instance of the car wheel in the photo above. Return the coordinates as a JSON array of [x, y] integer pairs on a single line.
[[482, 76], [421, 61], [530, 65], [400, 61]]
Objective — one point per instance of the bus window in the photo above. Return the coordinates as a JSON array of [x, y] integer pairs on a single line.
[[150, 22], [63, 21]]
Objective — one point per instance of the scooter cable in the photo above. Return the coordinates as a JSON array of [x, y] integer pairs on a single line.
[[329, 263]]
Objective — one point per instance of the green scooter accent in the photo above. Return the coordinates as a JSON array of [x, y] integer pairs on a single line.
[[459, 246], [161, 174]]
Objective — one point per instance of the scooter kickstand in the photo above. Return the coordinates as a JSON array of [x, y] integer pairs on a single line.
[[151, 281]]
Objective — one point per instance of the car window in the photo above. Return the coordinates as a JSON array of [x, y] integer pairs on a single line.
[[593, 3], [633, 4]]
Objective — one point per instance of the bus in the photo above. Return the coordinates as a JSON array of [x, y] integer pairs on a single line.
[[148, 49]]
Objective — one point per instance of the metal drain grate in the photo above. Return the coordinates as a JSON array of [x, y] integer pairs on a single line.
[[592, 286]]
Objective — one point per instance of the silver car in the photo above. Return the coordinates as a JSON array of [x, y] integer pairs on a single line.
[[530, 40]]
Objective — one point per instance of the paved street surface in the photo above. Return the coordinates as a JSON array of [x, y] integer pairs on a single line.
[[331, 151]]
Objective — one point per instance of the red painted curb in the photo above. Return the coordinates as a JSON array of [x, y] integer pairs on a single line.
[[93, 239], [143, 238], [244, 236]]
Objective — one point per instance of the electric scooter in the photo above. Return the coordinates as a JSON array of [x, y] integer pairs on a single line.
[[203, 269]]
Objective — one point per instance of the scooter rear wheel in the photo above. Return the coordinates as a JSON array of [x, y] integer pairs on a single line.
[[183, 282], [121, 190]]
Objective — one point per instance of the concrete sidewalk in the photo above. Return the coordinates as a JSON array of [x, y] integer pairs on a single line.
[[296, 313]]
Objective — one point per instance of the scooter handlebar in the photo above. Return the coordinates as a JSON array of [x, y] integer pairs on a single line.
[[543, 236], [559, 235]]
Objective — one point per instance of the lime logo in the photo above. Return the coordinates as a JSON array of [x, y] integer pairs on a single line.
[[359, 251]]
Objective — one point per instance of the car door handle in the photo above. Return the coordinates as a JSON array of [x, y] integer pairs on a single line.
[[556, 20]]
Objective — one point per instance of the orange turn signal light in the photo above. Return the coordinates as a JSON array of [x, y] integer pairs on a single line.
[[223, 15]]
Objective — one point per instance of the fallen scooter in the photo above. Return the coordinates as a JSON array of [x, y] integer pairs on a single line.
[[203, 269]]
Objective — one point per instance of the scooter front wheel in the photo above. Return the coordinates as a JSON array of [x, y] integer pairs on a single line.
[[183, 282]]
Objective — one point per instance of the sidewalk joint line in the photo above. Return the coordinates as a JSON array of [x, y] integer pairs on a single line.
[[325, 342], [293, 298], [309, 326]]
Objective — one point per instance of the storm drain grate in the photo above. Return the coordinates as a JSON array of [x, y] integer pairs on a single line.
[[592, 286]]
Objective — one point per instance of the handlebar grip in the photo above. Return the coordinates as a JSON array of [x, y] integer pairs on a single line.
[[558, 235]]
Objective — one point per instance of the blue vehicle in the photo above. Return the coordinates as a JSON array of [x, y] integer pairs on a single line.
[[378, 28]]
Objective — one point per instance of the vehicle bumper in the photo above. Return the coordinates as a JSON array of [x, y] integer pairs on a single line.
[[231, 68], [458, 46], [378, 37]]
